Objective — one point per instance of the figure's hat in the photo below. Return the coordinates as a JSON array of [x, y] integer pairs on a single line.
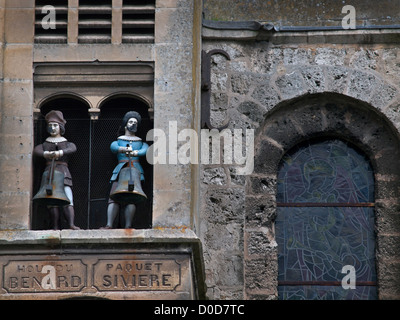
[[131, 114], [55, 116]]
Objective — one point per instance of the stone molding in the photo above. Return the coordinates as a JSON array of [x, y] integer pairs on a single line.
[[259, 31]]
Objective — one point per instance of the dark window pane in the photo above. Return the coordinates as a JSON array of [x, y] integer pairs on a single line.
[[316, 241]]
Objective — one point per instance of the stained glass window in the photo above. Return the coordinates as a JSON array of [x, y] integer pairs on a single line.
[[325, 221]]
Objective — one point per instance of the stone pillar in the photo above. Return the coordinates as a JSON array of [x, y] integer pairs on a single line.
[[176, 105], [16, 125]]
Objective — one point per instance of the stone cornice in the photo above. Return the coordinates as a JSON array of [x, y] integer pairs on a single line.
[[260, 31]]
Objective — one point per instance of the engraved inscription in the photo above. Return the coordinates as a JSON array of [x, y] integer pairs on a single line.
[[44, 276], [136, 275]]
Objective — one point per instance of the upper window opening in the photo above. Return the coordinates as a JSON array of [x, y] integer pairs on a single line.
[[138, 20], [51, 27], [95, 22]]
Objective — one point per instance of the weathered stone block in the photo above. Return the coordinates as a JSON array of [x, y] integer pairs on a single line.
[[366, 59], [214, 176], [297, 56], [336, 78], [23, 18], [260, 211], [176, 29], [291, 85], [330, 56], [361, 85], [225, 205], [384, 95], [266, 95], [265, 185], [259, 242], [241, 83], [224, 238], [252, 110], [13, 210], [314, 78], [18, 97], [267, 157], [261, 273]]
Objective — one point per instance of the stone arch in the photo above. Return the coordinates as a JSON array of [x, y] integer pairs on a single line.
[[63, 95], [107, 128], [124, 94], [364, 85], [322, 115], [75, 109]]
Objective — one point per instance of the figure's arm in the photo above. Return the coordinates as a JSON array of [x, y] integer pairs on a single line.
[[64, 149], [38, 151], [114, 147], [69, 149], [142, 151]]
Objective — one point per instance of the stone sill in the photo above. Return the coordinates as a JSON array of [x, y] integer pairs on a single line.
[[115, 244], [110, 236]]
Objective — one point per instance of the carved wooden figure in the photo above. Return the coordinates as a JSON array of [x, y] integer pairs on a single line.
[[56, 188], [127, 175]]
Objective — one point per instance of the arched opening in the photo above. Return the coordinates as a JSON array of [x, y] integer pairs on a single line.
[[77, 130], [92, 165], [104, 131], [323, 117]]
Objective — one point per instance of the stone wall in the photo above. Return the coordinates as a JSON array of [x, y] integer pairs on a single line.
[[302, 13], [176, 58], [289, 93], [16, 94]]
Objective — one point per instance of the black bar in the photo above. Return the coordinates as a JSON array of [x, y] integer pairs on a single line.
[[323, 283], [325, 204]]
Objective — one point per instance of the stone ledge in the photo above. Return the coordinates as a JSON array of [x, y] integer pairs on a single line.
[[111, 236], [89, 255], [380, 34]]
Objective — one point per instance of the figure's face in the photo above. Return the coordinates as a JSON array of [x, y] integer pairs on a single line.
[[131, 125], [53, 128]]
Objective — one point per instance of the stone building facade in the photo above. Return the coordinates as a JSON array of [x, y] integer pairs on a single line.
[[288, 71], [296, 77]]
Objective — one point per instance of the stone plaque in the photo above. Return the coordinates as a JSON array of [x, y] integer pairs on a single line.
[[113, 275], [101, 264], [133, 275], [25, 276]]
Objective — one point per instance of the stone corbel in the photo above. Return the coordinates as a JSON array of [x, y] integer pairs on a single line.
[[94, 114]]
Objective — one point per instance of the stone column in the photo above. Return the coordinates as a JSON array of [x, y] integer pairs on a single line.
[[16, 125], [176, 103]]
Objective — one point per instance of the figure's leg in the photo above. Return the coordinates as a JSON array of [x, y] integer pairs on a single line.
[[54, 217], [129, 214], [69, 211], [112, 212], [69, 214]]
